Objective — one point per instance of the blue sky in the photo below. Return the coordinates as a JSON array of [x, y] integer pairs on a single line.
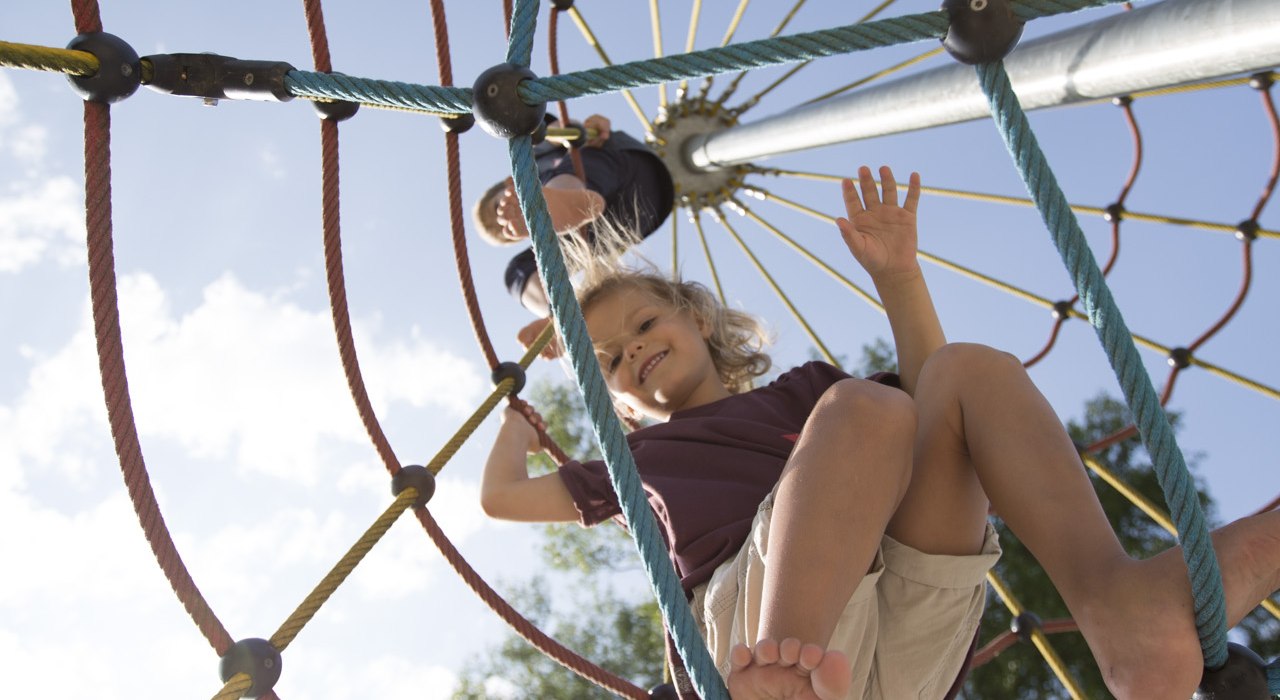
[[260, 464]]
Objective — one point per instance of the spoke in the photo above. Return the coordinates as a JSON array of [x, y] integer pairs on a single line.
[[786, 300], [694, 20], [877, 75], [706, 251], [591, 39], [656, 21]]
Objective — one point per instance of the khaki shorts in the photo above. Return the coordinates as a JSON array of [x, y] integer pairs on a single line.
[[906, 629]]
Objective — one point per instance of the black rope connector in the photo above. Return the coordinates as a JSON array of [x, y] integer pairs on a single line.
[[512, 370], [215, 77], [335, 110], [255, 657], [1261, 81], [497, 105], [562, 5], [1180, 358], [1242, 677], [981, 31], [1025, 624], [1062, 310], [1247, 230], [1114, 213], [458, 123], [418, 477], [1122, 101], [119, 68], [665, 691]]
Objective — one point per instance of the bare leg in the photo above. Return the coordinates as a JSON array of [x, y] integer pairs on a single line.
[[849, 469], [1136, 615]]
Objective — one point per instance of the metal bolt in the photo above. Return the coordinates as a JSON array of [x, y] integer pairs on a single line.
[[210, 102], [977, 5], [248, 79]]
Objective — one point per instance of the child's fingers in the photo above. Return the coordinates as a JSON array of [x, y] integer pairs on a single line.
[[852, 203], [913, 193], [888, 186], [868, 186]]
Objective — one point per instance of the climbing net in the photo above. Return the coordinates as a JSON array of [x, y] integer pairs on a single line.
[[251, 665]]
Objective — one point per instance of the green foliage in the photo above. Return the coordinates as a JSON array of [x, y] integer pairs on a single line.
[[623, 636], [1020, 672], [619, 636]]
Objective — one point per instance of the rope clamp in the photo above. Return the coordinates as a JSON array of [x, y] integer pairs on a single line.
[[981, 31], [256, 657], [417, 476], [1242, 677], [496, 102], [216, 77], [119, 69]]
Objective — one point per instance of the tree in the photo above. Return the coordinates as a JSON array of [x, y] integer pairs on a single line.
[[1020, 672], [622, 635]]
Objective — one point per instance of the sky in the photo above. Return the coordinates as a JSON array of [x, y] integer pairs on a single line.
[[260, 464]]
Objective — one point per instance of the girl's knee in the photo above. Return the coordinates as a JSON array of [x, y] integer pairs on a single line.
[[868, 405], [969, 361]]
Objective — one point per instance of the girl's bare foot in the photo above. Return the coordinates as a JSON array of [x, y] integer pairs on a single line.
[[1141, 628], [788, 671]]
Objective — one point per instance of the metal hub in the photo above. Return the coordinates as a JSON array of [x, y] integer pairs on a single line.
[[695, 187]]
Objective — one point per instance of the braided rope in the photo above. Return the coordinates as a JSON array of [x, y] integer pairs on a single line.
[[386, 93], [618, 458], [1273, 677], [33, 57], [1171, 469], [235, 687]]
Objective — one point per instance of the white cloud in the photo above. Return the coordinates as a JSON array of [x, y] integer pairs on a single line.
[[41, 218]]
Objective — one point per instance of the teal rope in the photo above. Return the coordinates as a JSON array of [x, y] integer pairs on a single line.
[[1273, 677], [1153, 424], [335, 86], [764, 52], [752, 54], [613, 443]]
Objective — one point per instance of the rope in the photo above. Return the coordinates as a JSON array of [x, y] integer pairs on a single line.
[[522, 626], [115, 383], [68, 61], [618, 458], [1171, 470], [453, 167], [385, 93], [1038, 638], [235, 687], [340, 571]]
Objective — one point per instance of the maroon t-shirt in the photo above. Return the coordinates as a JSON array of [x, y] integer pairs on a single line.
[[707, 469]]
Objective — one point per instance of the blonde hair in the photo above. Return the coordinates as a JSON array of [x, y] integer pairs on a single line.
[[737, 339], [485, 215]]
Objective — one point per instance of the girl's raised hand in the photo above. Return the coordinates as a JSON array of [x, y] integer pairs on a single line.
[[880, 234]]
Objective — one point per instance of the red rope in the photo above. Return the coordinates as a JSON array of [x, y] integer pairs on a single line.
[[553, 31], [1127, 106], [111, 365], [1004, 640], [522, 626]]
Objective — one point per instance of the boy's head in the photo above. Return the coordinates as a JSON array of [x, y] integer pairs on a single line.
[[485, 215]]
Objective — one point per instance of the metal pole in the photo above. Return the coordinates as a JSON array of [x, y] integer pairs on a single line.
[[1155, 46]]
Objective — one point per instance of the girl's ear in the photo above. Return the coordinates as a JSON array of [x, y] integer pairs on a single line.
[[704, 326]]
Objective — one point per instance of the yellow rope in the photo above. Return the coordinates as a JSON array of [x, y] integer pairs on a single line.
[[866, 296], [1259, 387], [31, 57], [235, 687], [706, 252], [877, 75], [656, 21], [1207, 85], [1022, 201], [695, 18], [339, 573], [733, 86], [591, 39], [826, 354], [1038, 638]]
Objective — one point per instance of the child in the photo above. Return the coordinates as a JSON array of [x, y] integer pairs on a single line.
[[832, 532], [625, 181]]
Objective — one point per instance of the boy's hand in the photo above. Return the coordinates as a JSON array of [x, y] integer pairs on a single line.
[[518, 427], [880, 234], [530, 333], [602, 128]]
